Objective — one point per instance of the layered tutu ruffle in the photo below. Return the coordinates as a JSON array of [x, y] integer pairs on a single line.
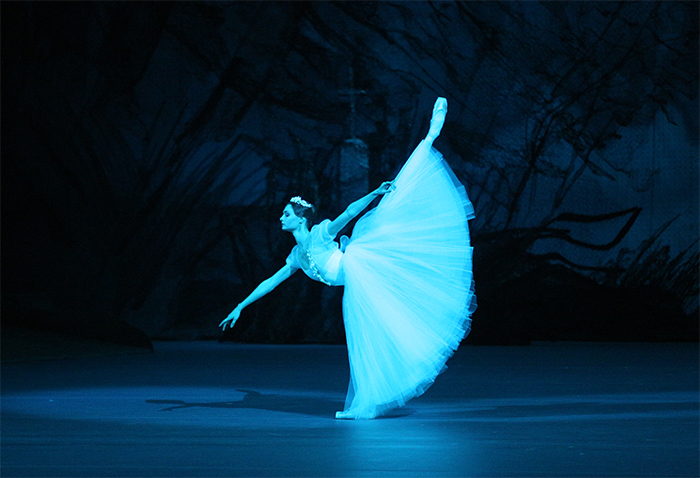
[[409, 291]]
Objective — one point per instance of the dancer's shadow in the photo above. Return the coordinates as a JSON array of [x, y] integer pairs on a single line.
[[306, 405]]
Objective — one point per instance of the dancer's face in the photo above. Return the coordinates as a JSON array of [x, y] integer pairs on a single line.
[[290, 221]]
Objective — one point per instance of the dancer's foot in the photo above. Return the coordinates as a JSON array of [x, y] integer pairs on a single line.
[[355, 414], [438, 119], [343, 416]]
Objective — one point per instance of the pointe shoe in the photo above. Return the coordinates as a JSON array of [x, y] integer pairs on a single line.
[[355, 414], [342, 415], [438, 119]]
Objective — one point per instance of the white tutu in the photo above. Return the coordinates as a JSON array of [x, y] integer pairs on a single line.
[[409, 291]]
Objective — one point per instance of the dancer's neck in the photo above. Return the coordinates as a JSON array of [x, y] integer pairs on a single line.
[[301, 234]]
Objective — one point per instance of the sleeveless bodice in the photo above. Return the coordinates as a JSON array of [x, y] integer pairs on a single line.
[[323, 259]]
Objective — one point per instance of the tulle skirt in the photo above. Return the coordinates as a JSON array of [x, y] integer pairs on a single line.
[[409, 291]]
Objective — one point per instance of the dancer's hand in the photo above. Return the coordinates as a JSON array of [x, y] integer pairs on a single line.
[[386, 187], [232, 318]]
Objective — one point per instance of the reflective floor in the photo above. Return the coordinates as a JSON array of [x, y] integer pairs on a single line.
[[209, 409]]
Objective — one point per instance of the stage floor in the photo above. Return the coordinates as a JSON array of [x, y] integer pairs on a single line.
[[207, 409]]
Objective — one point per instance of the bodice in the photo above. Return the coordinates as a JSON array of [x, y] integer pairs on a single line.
[[323, 258]]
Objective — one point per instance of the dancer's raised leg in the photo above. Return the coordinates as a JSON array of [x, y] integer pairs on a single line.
[[438, 119]]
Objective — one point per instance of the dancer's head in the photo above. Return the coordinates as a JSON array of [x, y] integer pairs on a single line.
[[297, 212]]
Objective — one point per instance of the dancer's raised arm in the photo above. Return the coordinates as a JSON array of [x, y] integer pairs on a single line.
[[264, 288], [357, 207]]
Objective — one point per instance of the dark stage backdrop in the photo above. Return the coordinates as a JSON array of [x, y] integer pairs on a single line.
[[148, 149]]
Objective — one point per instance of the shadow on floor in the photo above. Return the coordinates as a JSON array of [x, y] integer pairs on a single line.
[[305, 405]]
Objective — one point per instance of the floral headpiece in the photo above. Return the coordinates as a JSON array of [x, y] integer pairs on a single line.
[[298, 200]]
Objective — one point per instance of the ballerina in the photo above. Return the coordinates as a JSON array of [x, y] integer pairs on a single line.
[[407, 272]]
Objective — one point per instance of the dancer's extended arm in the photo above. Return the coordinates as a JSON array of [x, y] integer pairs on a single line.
[[264, 288], [357, 207]]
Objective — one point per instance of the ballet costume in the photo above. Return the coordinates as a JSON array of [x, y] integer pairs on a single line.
[[409, 292]]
